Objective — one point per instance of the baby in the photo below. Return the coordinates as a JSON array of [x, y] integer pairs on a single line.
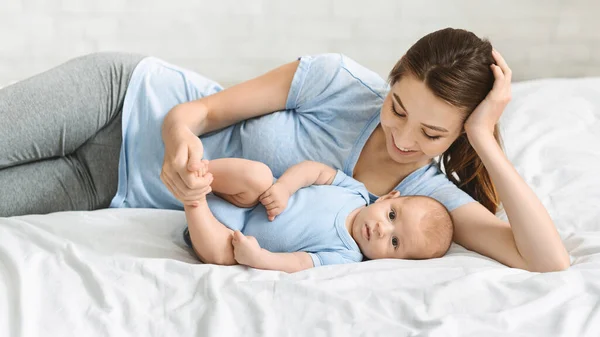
[[312, 215]]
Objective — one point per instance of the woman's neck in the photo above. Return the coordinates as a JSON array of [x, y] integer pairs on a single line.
[[376, 151], [376, 169]]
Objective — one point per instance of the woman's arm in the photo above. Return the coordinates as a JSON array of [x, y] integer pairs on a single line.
[[186, 121], [253, 98], [530, 241]]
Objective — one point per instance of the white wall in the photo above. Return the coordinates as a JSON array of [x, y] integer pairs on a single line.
[[232, 40]]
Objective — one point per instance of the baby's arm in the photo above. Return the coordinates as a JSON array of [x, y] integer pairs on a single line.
[[296, 177], [305, 174], [248, 252]]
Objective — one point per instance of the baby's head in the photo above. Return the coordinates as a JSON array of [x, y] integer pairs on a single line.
[[411, 227]]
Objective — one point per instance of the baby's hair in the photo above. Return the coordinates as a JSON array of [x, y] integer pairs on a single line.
[[436, 228]]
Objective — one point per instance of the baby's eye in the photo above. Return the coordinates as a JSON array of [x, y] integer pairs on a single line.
[[395, 242], [392, 215]]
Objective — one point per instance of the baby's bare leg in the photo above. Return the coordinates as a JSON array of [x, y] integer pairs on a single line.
[[211, 240], [240, 181]]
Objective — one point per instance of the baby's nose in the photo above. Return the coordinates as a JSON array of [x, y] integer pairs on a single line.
[[382, 228]]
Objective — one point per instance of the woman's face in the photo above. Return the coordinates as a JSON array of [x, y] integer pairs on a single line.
[[418, 126]]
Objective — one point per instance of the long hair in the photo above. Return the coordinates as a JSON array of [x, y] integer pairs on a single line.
[[455, 65]]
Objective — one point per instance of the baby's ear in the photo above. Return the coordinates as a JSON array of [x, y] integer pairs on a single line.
[[390, 195]]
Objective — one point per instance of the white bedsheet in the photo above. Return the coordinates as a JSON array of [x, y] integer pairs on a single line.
[[127, 272]]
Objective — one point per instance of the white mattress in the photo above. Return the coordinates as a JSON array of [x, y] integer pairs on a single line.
[[127, 272]]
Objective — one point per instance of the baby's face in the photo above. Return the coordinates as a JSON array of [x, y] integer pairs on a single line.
[[389, 227]]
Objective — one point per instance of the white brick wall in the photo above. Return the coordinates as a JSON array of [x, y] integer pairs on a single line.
[[233, 40]]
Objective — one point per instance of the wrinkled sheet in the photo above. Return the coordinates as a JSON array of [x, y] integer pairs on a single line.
[[127, 272]]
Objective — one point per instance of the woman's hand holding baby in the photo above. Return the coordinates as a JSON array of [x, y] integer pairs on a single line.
[[205, 176], [182, 166], [201, 178], [275, 199]]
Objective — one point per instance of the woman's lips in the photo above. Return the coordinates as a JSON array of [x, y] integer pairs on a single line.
[[404, 153]]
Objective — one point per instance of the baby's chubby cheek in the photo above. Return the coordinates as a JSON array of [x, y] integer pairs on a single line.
[[372, 252]]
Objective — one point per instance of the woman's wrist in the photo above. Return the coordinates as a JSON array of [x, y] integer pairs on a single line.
[[487, 148], [175, 133], [191, 115], [479, 136], [169, 129]]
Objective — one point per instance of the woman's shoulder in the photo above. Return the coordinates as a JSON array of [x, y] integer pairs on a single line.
[[366, 76], [334, 62], [324, 75]]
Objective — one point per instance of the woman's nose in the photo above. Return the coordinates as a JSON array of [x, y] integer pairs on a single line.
[[404, 138]]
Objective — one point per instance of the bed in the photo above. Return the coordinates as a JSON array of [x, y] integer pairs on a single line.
[[127, 272]]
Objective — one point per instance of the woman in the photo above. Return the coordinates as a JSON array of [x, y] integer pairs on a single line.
[[444, 99]]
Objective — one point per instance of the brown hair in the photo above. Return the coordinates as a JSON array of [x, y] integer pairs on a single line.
[[455, 65]]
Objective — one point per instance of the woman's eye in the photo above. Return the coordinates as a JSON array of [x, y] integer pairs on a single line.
[[403, 115], [392, 215], [396, 111], [395, 242], [431, 137]]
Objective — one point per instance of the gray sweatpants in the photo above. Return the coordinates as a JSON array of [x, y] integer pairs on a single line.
[[60, 136]]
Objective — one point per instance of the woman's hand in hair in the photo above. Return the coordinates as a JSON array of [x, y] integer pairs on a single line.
[[488, 112]]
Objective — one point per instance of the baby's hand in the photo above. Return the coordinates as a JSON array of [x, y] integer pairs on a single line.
[[246, 249], [275, 200]]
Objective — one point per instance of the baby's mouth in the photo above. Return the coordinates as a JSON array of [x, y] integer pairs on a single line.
[[368, 233]]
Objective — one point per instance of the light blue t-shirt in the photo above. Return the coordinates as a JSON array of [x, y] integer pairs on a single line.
[[313, 222], [332, 108]]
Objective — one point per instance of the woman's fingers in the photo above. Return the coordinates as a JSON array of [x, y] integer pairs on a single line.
[[195, 182], [183, 189], [168, 184], [189, 179], [182, 192], [177, 193], [195, 151], [172, 187], [501, 91], [499, 78], [506, 71], [198, 194]]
